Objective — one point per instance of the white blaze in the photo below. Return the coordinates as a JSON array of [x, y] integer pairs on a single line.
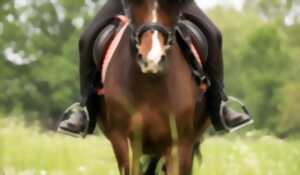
[[156, 52], [154, 12]]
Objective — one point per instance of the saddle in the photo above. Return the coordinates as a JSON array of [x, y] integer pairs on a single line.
[[107, 42], [192, 42], [194, 46]]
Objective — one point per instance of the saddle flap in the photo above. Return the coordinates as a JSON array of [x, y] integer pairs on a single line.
[[107, 42], [194, 38], [102, 43], [194, 46]]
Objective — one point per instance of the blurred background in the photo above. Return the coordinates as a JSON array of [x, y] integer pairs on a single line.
[[39, 63]]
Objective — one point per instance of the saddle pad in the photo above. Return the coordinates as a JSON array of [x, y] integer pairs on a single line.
[[113, 45]]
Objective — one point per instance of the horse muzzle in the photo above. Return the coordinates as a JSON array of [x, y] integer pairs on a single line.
[[148, 66]]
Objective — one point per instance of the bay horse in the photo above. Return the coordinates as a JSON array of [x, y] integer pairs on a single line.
[[152, 104]]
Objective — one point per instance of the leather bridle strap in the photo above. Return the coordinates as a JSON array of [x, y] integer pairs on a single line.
[[137, 34], [125, 8], [153, 27]]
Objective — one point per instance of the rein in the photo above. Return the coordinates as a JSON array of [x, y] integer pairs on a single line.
[[138, 33]]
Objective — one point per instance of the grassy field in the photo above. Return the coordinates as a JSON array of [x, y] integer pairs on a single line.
[[27, 151]]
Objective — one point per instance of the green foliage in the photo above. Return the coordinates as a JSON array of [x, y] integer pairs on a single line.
[[29, 151], [289, 121], [44, 35], [260, 60], [274, 10], [39, 58]]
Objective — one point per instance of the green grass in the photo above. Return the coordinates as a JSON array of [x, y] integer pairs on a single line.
[[27, 151]]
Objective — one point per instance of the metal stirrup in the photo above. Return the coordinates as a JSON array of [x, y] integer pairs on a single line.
[[73, 107], [243, 106], [245, 110]]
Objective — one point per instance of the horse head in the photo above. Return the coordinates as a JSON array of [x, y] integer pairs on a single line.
[[153, 23]]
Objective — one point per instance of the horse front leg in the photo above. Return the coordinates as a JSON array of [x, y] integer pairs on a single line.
[[135, 167], [172, 161], [179, 159], [185, 151], [121, 150]]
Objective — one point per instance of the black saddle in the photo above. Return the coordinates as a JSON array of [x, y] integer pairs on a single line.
[[191, 33], [103, 41], [187, 34]]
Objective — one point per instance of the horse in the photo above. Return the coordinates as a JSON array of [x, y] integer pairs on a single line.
[[152, 106]]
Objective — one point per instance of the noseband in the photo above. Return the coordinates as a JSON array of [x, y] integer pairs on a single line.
[[138, 33]]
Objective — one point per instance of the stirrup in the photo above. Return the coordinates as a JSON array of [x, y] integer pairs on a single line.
[[245, 110], [66, 115]]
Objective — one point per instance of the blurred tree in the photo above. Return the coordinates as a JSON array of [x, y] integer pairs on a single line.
[[258, 62], [40, 59], [235, 36], [288, 119], [263, 59], [273, 9]]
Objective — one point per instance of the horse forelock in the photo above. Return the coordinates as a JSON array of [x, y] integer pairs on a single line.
[[152, 43]]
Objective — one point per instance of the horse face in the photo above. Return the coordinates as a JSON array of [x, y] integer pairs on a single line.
[[152, 36], [152, 52]]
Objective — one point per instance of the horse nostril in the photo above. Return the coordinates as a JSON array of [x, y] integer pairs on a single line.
[[142, 61], [140, 56], [163, 59], [146, 63]]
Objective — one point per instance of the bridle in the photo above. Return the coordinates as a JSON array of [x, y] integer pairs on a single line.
[[137, 33], [152, 27]]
